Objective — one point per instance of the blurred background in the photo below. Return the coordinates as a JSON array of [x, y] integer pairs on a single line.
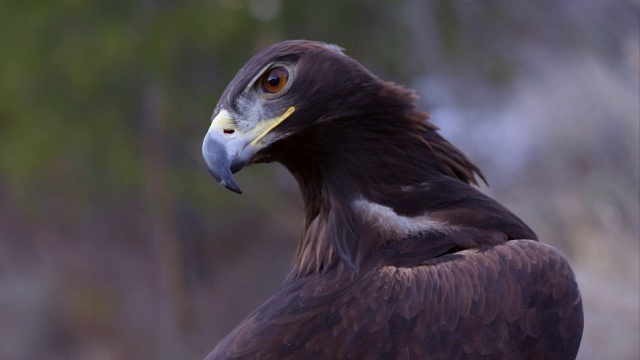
[[116, 244]]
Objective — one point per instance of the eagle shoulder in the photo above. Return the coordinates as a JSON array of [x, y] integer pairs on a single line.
[[515, 300]]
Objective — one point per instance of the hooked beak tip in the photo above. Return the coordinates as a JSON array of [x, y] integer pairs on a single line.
[[218, 161], [231, 185]]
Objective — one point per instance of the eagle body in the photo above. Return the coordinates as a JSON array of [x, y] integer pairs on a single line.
[[401, 256], [471, 304]]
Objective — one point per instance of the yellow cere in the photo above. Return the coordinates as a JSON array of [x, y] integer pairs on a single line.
[[222, 122]]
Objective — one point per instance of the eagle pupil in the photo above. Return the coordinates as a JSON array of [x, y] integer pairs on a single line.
[[274, 80]]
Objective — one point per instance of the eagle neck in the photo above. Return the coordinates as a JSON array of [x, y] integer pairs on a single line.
[[344, 163], [330, 237], [355, 170]]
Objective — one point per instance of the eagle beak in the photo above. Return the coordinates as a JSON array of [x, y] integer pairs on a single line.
[[227, 149]]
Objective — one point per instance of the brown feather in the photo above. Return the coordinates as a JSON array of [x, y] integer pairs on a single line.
[[433, 311]]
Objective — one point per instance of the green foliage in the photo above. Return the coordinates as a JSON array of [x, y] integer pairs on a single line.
[[73, 74]]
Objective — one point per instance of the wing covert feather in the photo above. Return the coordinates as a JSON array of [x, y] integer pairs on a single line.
[[518, 300]]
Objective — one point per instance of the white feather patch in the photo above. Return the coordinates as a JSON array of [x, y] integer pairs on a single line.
[[391, 225]]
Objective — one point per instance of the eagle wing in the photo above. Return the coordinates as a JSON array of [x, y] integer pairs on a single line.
[[517, 300]]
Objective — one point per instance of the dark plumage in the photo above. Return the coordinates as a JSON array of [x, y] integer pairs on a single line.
[[401, 257]]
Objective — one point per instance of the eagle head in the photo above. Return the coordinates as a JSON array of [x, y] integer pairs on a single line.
[[286, 95]]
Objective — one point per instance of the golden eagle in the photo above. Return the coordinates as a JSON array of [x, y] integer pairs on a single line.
[[401, 256]]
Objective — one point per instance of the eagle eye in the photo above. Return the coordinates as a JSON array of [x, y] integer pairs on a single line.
[[274, 80]]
